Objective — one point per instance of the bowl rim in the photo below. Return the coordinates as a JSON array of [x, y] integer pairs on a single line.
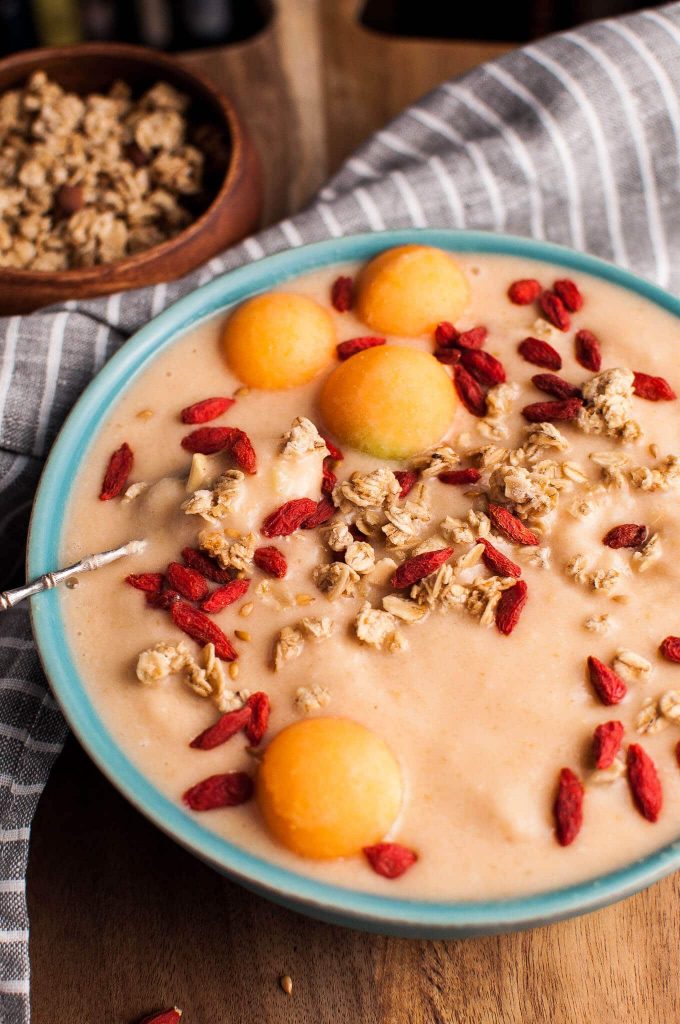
[[139, 260], [350, 906]]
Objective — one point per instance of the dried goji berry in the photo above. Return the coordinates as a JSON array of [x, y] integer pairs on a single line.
[[474, 338], [469, 391], [324, 510], [117, 472], [540, 353], [510, 607], [484, 367], [259, 718], [164, 600], [524, 292], [151, 582], [513, 528], [654, 389], [568, 807], [390, 859], [289, 517], [206, 410], [197, 560], [244, 453], [419, 566], [333, 450], [203, 630], [460, 476], [209, 440], [187, 582], [628, 535], [570, 294], [346, 349], [498, 563], [328, 477], [272, 561], [588, 351], [556, 386], [644, 782], [224, 596], [224, 728], [228, 790], [607, 743], [447, 356], [407, 478], [342, 294], [172, 1016], [555, 311], [670, 648], [563, 409], [445, 334], [609, 686]]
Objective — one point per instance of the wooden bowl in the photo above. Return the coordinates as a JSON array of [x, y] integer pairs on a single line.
[[233, 212]]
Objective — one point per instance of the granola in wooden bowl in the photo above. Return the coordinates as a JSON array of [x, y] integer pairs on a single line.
[[118, 168]]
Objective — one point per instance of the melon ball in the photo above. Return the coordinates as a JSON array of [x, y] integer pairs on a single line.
[[410, 289], [328, 787], [391, 401], [279, 340]]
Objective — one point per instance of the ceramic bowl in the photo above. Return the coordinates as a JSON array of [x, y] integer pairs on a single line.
[[417, 918], [233, 211]]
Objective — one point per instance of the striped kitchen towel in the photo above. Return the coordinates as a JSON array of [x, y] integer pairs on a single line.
[[575, 139]]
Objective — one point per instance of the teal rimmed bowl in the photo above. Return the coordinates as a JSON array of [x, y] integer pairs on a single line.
[[417, 918]]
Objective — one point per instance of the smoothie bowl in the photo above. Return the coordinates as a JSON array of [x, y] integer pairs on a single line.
[[400, 651]]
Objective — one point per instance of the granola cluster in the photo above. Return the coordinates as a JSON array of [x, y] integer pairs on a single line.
[[302, 438], [213, 503], [657, 713], [230, 552], [608, 399], [291, 639], [206, 680], [87, 180]]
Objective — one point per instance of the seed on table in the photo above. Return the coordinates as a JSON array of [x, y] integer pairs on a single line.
[[73, 583], [234, 669], [242, 634], [286, 983], [241, 392], [246, 609], [303, 599], [145, 414]]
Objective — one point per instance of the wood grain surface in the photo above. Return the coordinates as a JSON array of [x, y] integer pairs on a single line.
[[122, 920]]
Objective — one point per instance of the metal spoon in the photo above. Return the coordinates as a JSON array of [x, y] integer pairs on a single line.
[[10, 598]]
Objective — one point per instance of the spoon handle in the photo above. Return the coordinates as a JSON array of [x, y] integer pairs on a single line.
[[10, 598]]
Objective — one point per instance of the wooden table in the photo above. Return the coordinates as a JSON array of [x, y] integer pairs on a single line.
[[123, 920]]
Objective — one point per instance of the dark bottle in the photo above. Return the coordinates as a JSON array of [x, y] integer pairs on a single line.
[[174, 24], [204, 23], [17, 28], [111, 21]]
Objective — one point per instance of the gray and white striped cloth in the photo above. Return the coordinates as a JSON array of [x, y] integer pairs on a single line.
[[575, 139]]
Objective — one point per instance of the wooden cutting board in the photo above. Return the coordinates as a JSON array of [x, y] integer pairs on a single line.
[[122, 920]]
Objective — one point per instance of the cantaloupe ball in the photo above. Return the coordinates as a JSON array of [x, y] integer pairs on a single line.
[[390, 401], [328, 787], [279, 340], [409, 290]]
